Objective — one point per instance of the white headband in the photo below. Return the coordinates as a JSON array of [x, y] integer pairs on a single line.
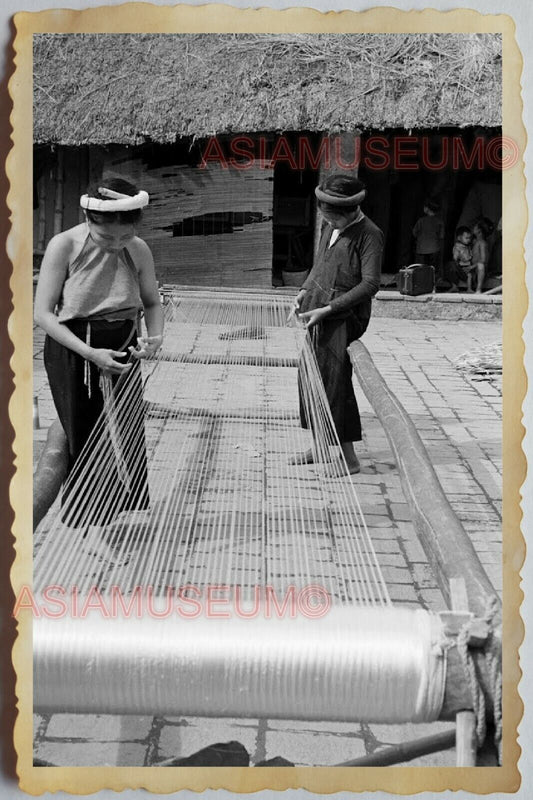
[[117, 201]]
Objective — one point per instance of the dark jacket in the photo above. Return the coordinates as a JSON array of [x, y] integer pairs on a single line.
[[347, 275]]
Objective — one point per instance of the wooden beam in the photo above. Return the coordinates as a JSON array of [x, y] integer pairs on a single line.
[[41, 231], [466, 744], [405, 751], [446, 544], [51, 471], [59, 187], [210, 359], [466, 739]]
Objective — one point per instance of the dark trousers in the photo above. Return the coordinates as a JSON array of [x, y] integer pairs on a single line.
[[329, 341], [107, 470]]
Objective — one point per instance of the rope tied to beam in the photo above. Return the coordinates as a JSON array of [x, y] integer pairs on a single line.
[[478, 698], [495, 668], [475, 686]]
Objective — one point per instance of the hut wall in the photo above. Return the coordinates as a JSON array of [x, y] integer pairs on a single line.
[[44, 194], [75, 173], [205, 226], [74, 164]]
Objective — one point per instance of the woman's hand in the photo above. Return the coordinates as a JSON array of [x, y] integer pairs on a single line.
[[105, 360], [296, 304], [147, 346], [315, 316]]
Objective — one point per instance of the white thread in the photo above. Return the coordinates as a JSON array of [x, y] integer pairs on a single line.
[[175, 501], [192, 534], [371, 665]]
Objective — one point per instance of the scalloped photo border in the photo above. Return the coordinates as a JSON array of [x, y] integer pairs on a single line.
[[145, 18]]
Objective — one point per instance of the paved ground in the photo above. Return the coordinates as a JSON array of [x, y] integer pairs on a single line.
[[459, 419]]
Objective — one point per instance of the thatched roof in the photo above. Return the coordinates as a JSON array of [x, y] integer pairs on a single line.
[[127, 88]]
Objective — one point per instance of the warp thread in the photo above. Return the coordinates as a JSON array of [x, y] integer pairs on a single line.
[[111, 417]]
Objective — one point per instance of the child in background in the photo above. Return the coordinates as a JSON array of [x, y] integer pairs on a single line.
[[461, 266], [480, 252], [462, 254], [428, 233]]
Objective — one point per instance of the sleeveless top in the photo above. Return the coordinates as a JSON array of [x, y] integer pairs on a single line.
[[100, 285]]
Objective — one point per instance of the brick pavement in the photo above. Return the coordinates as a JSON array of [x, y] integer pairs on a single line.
[[459, 420]]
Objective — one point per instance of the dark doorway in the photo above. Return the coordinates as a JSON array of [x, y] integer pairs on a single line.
[[397, 192], [294, 215]]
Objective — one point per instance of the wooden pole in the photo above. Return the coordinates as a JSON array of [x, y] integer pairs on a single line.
[[60, 182], [51, 471], [441, 533], [446, 544], [41, 233], [466, 739], [465, 720], [246, 360], [405, 751]]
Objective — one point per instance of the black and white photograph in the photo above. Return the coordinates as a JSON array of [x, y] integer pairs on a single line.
[[268, 271]]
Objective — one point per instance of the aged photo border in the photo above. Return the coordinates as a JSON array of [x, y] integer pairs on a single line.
[[135, 18]]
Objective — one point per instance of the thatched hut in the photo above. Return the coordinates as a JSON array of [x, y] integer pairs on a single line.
[[229, 134]]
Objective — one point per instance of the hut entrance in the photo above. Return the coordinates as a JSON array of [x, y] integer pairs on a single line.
[[293, 219], [448, 166]]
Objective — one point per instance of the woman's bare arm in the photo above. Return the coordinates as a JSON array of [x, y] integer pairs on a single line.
[[153, 312]]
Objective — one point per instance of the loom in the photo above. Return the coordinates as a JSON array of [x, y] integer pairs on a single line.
[[228, 510]]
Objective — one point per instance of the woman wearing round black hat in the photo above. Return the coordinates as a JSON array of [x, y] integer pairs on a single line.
[[335, 302]]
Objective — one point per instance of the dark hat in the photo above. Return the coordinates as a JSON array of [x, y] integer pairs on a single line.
[[341, 191]]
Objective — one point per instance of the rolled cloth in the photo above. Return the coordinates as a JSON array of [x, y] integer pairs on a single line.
[[116, 202], [341, 200]]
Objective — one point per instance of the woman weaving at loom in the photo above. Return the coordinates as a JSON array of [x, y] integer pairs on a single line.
[[335, 302], [95, 279]]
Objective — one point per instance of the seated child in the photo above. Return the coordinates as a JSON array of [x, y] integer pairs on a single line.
[[461, 266], [480, 252]]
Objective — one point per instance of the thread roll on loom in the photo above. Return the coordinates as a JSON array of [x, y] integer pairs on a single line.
[[348, 665], [227, 508]]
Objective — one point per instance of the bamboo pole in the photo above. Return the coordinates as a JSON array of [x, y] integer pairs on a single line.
[[41, 232], [466, 719], [404, 751], [466, 739], [60, 184], [441, 533], [51, 471], [244, 361], [446, 544]]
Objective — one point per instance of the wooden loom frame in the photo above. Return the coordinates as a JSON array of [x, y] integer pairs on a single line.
[[443, 538], [456, 566]]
